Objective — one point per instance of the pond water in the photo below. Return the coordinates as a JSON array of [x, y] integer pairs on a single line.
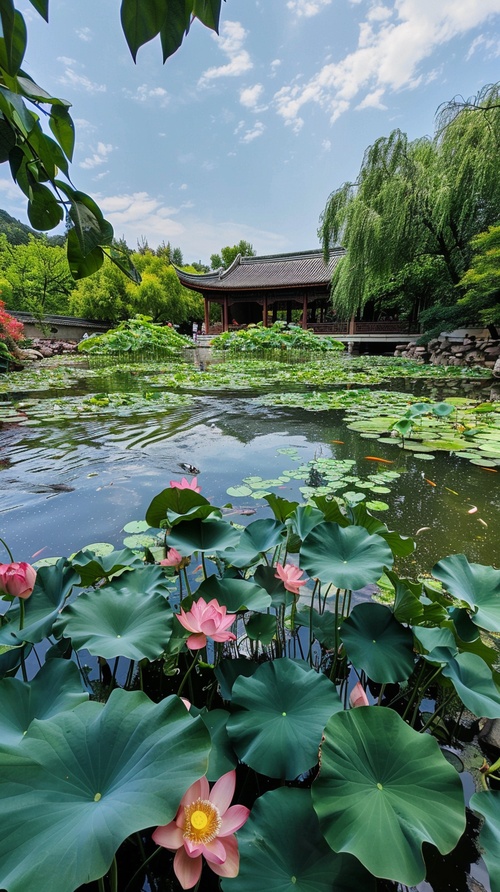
[[76, 467], [71, 478]]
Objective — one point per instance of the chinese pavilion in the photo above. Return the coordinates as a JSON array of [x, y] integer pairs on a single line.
[[254, 289]]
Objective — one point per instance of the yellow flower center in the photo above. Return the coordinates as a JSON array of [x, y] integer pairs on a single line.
[[202, 821]]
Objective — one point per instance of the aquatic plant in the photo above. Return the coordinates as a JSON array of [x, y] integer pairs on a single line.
[[137, 336], [279, 659], [276, 337]]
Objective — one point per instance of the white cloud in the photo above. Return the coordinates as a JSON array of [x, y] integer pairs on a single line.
[[99, 156], [490, 47], [84, 34], [326, 145], [307, 8], [249, 96], [66, 60], [231, 42], [144, 93], [253, 133], [393, 42], [71, 79]]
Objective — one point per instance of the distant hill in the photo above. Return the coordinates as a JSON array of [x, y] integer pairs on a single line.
[[18, 233]]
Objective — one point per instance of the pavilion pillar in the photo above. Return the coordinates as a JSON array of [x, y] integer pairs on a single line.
[[225, 315], [264, 311], [352, 324], [207, 314], [304, 311]]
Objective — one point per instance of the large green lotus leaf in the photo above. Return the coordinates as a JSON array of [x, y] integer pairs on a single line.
[[383, 790], [261, 627], [282, 850], [281, 508], [53, 585], [178, 501], [433, 639], [283, 708], [377, 644], [476, 584], [401, 546], [487, 804], [442, 409], [235, 594], [199, 535], [56, 687], [347, 557], [86, 779], [331, 510], [257, 538], [93, 567], [228, 671], [471, 678], [304, 519], [222, 756], [119, 619], [466, 629]]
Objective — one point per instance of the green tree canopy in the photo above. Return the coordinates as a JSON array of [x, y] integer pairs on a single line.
[[38, 275], [228, 254], [413, 201], [482, 279]]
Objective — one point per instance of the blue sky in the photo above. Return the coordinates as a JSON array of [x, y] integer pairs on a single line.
[[245, 135]]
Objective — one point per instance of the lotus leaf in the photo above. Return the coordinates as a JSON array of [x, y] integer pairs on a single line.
[[282, 850], [487, 804], [476, 584], [279, 718], [377, 643], [122, 618], [86, 779], [235, 594], [53, 585], [348, 558], [203, 535], [55, 688], [383, 790]]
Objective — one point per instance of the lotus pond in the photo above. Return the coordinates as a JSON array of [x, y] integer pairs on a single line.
[[316, 481]]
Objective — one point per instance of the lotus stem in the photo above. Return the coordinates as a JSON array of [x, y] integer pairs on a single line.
[[186, 581], [434, 714], [7, 549], [142, 866], [204, 565], [186, 676]]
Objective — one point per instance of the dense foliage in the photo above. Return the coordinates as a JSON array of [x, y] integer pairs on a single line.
[[278, 336], [136, 336], [39, 163], [277, 665], [416, 203], [37, 275], [482, 280]]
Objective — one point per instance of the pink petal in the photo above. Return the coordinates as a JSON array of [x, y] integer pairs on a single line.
[[357, 697], [198, 790], [186, 620], [223, 791], [234, 818], [195, 642], [186, 869], [169, 836], [215, 851], [223, 636], [231, 865]]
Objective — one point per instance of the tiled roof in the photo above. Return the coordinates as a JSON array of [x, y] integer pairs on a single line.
[[271, 271]]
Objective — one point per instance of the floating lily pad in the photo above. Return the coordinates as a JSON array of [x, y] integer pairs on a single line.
[[239, 491]]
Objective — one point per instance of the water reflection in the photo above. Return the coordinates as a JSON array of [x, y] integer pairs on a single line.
[[67, 483]]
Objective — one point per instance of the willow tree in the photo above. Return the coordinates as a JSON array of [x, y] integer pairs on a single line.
[[415, 201]]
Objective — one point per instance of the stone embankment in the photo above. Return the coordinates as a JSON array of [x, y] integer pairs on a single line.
[[41, 348], [469, 351]]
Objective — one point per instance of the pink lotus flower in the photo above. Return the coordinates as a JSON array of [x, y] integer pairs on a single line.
[[290, 577], [184, 484], [204, 826], [357, 697], [17, 580], [174, 559], [206, 621]]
